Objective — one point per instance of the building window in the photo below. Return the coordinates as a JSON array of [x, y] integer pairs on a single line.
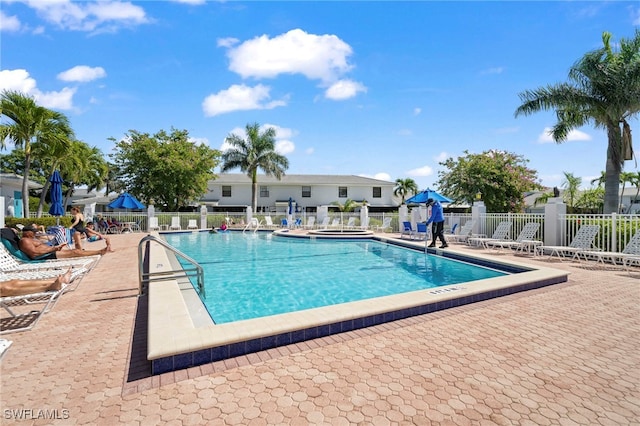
[[342, 192], [377, 192], [306, 192], [226, 191], [264, 192]]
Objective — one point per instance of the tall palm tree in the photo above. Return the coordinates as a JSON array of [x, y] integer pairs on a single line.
[[256, 152], [404, 187], [50, 154], [84, 166], [28, 124], [604, 89], [571, 185]]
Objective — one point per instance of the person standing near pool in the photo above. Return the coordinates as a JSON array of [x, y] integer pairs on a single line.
[[437, 218]]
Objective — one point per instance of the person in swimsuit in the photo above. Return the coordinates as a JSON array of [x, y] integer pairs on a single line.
[[77, 225]]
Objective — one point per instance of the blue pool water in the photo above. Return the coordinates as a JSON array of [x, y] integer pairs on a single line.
[[251, 275]]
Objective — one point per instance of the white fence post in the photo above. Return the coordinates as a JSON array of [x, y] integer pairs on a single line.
[[203, 217], [554, 210], [151, 211], [478, 211]]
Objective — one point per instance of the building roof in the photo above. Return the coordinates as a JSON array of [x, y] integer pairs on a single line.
[[239, 178], [13, 179]]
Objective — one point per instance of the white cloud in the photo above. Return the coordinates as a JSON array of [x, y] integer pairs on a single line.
[[441, 157], [635, 16], [344, 89], [574, 135], [57, 100], [19, 80], [309, 151], [239, 97], [82, 73], [285, 147], [193, 2], [495, 70], [417, 111], [380, 176], [9, 23], [405, 132], [317, 57], [89, 16], [421, 171], [227, 42]]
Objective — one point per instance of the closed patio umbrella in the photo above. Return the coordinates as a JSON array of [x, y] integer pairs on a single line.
[[55, 193]]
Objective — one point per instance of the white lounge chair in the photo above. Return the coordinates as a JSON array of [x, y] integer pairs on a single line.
[[269, 222], [153, 224], [10, 263], [175, 223], [325, 223], [311, 221], [501, 233], [463, 234], [630, 251], [4, 347], [583, 240], [351, 223], [386, 224], [335, 223], [29, 316], [193, 224], [524, 239]]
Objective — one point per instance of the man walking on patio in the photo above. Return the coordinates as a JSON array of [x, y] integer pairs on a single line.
[[437, 217]]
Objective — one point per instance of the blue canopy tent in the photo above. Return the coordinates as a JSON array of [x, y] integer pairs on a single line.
[[126, 201], [423, 196]]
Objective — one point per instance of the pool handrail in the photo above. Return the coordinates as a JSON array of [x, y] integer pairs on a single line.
[[147, 277]]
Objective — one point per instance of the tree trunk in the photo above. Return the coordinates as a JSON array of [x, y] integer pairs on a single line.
[[612, 174], [25, 185]]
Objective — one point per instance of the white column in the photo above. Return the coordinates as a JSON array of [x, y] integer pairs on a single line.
[[151, 210], [403, 215], [554, 210], [203, 217], [478, 212]]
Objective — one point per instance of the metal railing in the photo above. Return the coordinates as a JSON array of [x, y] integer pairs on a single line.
[[147, 277]]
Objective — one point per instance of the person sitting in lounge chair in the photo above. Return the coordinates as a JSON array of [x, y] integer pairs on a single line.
[[37, 250], [22, 287], [93, 235]]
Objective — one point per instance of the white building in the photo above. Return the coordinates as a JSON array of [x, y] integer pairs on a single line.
[[232, 191]]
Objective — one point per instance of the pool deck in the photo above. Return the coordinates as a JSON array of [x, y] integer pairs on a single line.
[[564, 354]]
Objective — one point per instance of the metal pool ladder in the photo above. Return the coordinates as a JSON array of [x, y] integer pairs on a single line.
[[147, 277]]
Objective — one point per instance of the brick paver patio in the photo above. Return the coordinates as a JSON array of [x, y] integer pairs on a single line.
[[566, 354]]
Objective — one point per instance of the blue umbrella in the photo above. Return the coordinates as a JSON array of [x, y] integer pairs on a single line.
[[55, 193], [126, 201], [422, 197]]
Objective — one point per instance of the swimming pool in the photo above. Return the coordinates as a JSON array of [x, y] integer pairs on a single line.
[[179, 337], [252, 275]]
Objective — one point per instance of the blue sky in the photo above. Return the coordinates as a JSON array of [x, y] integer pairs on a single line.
[[379, 89]]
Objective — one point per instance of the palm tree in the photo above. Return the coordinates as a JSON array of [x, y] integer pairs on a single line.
[[604, 88], [571, 185], [600, 180], [29, 123], [404, 187], [84, 166], [348, 206], [257, 152]]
